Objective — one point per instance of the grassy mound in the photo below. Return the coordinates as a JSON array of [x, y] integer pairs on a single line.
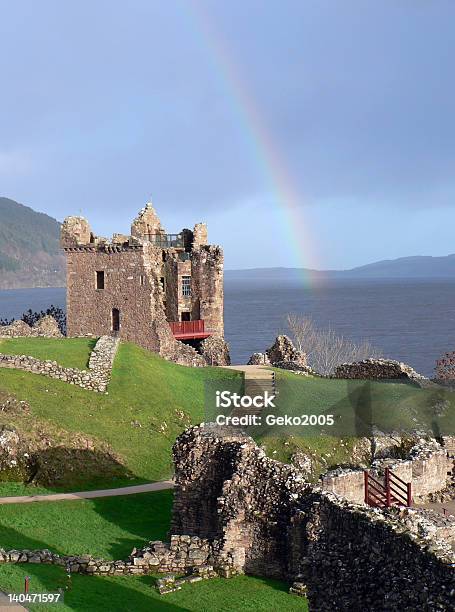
[[150, 402]]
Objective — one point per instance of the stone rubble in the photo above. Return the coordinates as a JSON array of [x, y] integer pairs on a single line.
[[377, 369], [282, 354], [46, 327]]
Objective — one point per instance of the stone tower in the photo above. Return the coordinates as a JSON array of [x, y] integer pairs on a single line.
[[162, 291]]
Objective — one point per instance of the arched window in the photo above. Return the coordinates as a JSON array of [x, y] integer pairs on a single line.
[[115, 319]]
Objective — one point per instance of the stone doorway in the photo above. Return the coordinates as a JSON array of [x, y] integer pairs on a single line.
[[115, 320]]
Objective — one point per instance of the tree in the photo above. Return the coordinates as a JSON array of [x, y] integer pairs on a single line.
[[325, 349]]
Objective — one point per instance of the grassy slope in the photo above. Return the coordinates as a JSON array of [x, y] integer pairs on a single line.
[[150, 401], [68, 352], [396, 406], [110, 528]]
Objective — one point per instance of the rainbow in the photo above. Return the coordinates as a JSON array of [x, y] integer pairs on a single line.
[[264, 151]]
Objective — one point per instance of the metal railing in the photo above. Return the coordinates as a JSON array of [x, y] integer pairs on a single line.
[[187, 328], [166, 241]]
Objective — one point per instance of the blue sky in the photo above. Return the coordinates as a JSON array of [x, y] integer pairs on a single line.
[[207, 105]]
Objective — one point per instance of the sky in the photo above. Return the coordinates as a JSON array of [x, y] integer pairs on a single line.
[[315, 134]]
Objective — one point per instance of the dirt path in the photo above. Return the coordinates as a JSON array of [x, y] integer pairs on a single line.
[[142, 488]]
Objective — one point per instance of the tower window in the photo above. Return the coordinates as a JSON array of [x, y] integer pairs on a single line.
[[163, 285], [100, 280], [186, 286], [142, 279]]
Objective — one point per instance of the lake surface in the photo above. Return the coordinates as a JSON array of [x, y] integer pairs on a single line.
[[409, 320]]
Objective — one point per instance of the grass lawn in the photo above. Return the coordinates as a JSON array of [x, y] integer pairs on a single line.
[[68, 352], [150, 402], [110, 528], [137, 593], [107, 528]]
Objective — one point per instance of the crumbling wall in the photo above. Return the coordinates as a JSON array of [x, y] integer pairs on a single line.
[[170, 269], [75, 231], [46, 327], [427, 468], [357, 559], [96, 378], [377, 369], [215, 351], [269, 522], [207, 264], [346, 483]]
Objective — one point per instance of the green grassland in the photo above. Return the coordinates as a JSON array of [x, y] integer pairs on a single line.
[[109, 528], [129, 432], [138, 593], [68, 352], [149, 403]]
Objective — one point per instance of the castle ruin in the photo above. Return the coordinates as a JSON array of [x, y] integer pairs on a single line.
[[161, 291]]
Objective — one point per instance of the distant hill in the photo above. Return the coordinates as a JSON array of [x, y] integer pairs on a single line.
[[404, 267], [29, 248]]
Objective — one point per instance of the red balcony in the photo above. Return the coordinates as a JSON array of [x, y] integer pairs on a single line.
[[185, 330]]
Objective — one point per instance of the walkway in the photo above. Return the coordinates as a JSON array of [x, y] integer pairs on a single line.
[[132, 490], [259, 380]]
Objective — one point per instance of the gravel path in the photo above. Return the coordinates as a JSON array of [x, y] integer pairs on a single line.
[[142, 488]]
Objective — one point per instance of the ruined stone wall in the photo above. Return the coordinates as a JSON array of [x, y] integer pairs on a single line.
[[267, 521], [200, 235], [348, 484], [170, 269], [358, 559], [207, 286], [46, 327], [96, 378], [445, 367], [89, 310], [427, 468], [377, 369]]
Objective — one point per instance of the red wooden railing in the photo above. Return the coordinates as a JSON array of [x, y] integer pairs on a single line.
[[189, 329], [393, 491]]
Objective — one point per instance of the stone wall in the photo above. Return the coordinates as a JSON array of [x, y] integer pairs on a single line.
[[357, 559], [427, 467], [282, 354], [445, 368], [215, 351], [207, 266], [237, 510], [269, 522], [141, 288], [96, 378], [346, 483], [377, 369]]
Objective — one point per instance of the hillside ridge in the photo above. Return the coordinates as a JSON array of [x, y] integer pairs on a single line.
[[29, 248]]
